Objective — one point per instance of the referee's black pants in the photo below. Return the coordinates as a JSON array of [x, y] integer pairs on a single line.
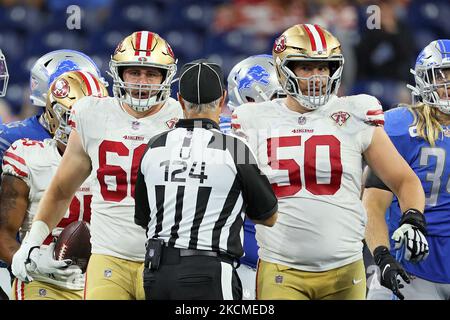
[[193, 277]]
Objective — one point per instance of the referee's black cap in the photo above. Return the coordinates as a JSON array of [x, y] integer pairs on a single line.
[[201, 82]]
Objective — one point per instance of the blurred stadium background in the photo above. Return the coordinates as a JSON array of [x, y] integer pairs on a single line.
[[225, 31]]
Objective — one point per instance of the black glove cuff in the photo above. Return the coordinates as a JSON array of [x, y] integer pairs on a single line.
[[416, 218], [379, 253]]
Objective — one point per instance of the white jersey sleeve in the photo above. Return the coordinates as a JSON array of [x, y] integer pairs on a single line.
[[14, 160], [369, 114]]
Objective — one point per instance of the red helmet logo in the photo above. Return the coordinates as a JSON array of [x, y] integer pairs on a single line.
[[170, 51], [60, 88], [280, 44], [118, 48]]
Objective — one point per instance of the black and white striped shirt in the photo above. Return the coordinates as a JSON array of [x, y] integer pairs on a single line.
[[193, 185]]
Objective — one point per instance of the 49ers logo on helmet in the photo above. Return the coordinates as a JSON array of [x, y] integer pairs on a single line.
[[280, 44], [60, 89], [118, 48], [169, 50]]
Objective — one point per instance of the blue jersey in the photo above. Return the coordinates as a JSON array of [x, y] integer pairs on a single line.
[[432, 166], [29, 128], [250, 257]]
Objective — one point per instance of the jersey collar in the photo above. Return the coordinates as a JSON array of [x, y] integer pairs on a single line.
[[197, 123]]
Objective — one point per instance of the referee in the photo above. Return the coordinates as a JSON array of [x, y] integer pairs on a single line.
[[193, 185]]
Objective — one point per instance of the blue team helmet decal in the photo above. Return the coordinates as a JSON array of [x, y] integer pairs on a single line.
[[255, 74], [63, 67]]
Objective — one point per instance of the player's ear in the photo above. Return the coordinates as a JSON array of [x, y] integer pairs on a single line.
[[223, 99]]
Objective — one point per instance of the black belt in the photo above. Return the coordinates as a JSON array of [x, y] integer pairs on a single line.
[[193, 252]]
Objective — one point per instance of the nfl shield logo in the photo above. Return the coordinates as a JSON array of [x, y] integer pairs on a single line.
[[340, 117], [42, 292], [107, 273], [301, 120], [135, 125], [278, 279]]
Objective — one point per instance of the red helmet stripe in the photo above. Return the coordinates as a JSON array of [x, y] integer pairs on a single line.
[[311, 37], [86, 81], [138, 43], [322, 36]]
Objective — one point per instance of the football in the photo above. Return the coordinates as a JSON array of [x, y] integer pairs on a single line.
[[74, 243]]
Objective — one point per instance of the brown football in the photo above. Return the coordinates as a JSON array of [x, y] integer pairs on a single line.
[[74, 243]]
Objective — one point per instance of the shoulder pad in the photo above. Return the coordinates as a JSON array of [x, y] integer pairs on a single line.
[[398, 121]]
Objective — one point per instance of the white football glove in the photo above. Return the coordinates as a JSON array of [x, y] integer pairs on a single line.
[[45, 262], [23, 258], [73, 279], [410, 236]]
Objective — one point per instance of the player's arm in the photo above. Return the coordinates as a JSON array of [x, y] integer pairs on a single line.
[[73, 170], [261, 202], [13, 206], [376, 199], [384, 159]]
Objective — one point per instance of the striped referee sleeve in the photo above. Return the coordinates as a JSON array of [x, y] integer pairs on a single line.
[[142, 208], [261, 203]]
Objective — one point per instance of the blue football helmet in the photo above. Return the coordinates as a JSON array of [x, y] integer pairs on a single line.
[[432, 75], [254, 79], [53, 64], [4, 75]]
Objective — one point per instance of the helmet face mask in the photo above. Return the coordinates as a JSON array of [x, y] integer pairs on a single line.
[[432, 75], [319, 87], [308, 43], [62, 95], [253, 80], [142, 49], [4, 75]]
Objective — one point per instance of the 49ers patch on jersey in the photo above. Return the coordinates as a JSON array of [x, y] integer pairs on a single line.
[[172, 122]]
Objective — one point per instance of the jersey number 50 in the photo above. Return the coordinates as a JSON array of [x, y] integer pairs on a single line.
[[310, 155]]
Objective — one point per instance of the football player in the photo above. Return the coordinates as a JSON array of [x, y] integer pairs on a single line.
[[311, 146], [5, 279], [253, 79], [108, 140], [28, 167], [46, 69], [421, 133], [4, 75]]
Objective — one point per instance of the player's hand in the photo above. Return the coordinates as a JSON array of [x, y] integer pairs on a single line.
[[410, 236], [390, 269], [45, 263], [72, 279], [22, 261]]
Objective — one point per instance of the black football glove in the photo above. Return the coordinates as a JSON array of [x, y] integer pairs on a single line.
[[390, 269], [410, 236]]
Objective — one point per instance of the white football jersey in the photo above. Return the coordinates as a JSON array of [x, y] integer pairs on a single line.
[[115, 142], [314, 163], [36, 162]]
